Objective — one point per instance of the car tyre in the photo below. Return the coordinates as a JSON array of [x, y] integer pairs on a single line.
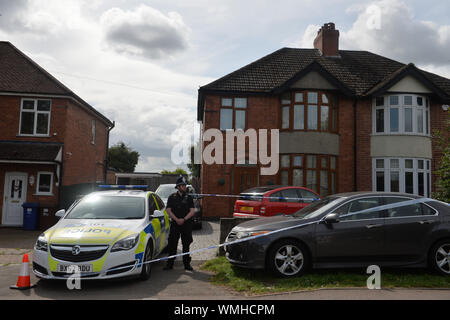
[[288, 258], [439, 258], [147, 267]]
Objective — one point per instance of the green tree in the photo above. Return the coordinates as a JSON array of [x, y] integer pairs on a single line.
[[443, 182], [177, 171], [122, 158], [194, 168]]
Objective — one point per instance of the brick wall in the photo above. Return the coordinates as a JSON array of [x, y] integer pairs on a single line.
[[345, 178], [10, 120], [83, 161], [262, 112], [437, 122], [363, 159]]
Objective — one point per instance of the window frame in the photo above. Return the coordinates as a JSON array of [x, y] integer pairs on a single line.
[[292, 103], [402, 170], [401, 107], [318, 168], [35, 112], [40, 193], [234, 112]]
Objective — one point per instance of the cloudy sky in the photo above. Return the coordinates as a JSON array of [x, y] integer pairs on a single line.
[[141, 63]]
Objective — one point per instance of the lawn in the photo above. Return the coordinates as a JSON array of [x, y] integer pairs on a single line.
[[260, 282]]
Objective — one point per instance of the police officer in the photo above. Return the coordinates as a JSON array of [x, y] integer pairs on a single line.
[[180, 207]]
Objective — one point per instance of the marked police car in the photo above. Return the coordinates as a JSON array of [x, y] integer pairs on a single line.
[[107, 234]]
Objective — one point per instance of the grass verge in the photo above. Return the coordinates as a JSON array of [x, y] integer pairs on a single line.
[[260, 282]]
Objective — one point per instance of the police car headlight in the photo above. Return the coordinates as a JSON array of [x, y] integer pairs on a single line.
[[126, 244], [41, 243]]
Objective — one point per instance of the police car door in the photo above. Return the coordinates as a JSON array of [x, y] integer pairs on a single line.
[[164, 223]]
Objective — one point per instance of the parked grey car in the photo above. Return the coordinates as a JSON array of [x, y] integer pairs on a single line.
[[330, 236]]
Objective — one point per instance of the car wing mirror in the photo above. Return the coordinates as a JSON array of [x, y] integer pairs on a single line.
[[331, 218], [156, 214], [60, 213]]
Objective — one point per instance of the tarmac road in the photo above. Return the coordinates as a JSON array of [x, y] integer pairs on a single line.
[[176, 284]]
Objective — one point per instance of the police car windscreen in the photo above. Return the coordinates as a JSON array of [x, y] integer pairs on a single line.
[[107, 207]]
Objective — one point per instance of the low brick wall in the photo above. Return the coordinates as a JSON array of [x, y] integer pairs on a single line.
[[226, 224]]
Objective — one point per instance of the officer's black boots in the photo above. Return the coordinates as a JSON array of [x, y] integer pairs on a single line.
[[169, 266], [187, 266]]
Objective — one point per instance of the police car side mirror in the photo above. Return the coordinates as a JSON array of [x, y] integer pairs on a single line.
[[60, 213], [157, 214]]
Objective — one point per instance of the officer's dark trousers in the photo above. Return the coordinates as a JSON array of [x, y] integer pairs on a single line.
[[185, 231]]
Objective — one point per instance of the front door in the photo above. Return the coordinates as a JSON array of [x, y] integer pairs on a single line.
[[14, 196], [245, 178]]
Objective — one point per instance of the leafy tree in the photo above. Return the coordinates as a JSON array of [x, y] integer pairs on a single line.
[[177, 171], [443, 183], [122, 158], [194, 168]]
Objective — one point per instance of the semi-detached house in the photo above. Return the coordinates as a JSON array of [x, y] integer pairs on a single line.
[[347, 120], [52, 142]]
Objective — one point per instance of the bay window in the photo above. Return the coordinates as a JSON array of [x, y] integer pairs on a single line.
[[308, 111], [401, 114], [316, 172], [409, 175]]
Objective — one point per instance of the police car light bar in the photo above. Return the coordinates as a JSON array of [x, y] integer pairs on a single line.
[[121, 187]]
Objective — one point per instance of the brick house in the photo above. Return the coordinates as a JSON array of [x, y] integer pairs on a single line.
[[51, 141], [347, 120]]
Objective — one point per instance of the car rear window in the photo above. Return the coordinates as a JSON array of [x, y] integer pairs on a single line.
[[251, 197]]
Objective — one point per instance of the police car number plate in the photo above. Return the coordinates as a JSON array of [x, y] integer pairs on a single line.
[[82, 268]]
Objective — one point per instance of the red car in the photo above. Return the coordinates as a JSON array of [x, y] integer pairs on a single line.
[[269, 201]]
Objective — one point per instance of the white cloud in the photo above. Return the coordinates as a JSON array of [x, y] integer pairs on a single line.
[[145, 31], [389, 28]]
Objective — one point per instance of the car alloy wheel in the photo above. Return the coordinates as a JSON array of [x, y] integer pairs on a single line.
[[288, 259], [442, 257], [147, 267]]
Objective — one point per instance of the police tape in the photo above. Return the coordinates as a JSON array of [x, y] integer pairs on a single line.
[[250, 197], [265, 234]]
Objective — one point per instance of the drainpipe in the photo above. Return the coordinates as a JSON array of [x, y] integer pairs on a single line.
[[355, 182], [105, 172]]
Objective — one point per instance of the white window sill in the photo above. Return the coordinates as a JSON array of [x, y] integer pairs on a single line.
[[401, 134], [44, 194], [34, 135]]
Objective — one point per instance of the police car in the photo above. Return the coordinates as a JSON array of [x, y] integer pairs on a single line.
[[106, 234]]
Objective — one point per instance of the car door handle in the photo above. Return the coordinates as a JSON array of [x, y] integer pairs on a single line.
[[426, 221], [371, 226]]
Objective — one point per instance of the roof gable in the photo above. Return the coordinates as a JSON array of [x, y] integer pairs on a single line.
[[21, 75]]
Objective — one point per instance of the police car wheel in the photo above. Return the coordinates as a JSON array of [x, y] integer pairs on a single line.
[[147, 267]]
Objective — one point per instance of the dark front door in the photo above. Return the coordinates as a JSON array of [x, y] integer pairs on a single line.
[[356, 238], [245, 178], [408, 231]]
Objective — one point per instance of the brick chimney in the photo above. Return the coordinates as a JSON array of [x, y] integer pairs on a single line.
[[327, 40]]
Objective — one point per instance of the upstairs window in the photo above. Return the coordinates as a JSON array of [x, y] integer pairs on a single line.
[[401, 114], [308, 111], [233, 113], [35, 117]]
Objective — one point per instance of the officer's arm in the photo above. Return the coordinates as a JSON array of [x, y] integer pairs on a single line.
[[191, 209], [169, 209]]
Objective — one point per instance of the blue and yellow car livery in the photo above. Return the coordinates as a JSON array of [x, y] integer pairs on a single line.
[[104, 245]]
